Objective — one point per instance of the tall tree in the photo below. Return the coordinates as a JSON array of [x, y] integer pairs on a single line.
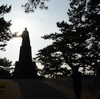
[[86, 14], [5, 34], [69, 43], [78, 41], [93, 26]]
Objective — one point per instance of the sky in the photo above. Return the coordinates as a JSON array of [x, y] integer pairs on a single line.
[[39, 23]]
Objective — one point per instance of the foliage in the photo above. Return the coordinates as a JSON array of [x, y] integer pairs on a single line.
[[86, 14], [5, 34], [31, 5], [78, 42], [4, 62], [54, 72], [4, 73], [4, 9], [5, 67], [50, 60], [93, 26]]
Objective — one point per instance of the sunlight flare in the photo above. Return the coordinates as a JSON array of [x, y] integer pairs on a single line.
[[18, 25]]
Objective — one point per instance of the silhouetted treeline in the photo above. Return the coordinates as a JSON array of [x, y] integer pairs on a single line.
[[5, 65]]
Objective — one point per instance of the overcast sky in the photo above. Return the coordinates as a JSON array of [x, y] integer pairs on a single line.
[[39, 23]]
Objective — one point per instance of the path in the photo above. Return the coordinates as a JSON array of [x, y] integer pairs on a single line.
[[42, 89]]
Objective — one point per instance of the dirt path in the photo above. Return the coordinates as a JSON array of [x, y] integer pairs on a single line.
[[42, 89]]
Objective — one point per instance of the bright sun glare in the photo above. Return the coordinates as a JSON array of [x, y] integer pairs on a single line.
[[19, 25]]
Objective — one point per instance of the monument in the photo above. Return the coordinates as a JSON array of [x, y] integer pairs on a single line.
[[25, 68]]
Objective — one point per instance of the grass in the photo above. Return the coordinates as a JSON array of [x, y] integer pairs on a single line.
[[1, 92], [2, 87]]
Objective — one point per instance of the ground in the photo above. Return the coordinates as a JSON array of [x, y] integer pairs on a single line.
[[43, 89]]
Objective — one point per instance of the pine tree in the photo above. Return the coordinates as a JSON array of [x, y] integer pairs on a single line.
[[78, 41], [5, 34]]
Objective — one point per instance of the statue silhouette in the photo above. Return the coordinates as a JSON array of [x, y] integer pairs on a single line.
[[25, 37], [25, 68]]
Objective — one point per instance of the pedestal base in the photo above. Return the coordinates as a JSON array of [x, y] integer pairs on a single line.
[[25, 70]]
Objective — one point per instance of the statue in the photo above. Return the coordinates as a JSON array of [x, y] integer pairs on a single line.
[[25, 37], [25, 67]]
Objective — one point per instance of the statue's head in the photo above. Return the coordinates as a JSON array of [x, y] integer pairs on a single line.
[[25, 29], [25, 37]]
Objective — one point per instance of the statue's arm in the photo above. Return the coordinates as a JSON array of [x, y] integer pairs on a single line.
[[15, 34]]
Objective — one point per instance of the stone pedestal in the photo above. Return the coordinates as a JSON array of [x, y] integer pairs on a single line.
[[25, 70]]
